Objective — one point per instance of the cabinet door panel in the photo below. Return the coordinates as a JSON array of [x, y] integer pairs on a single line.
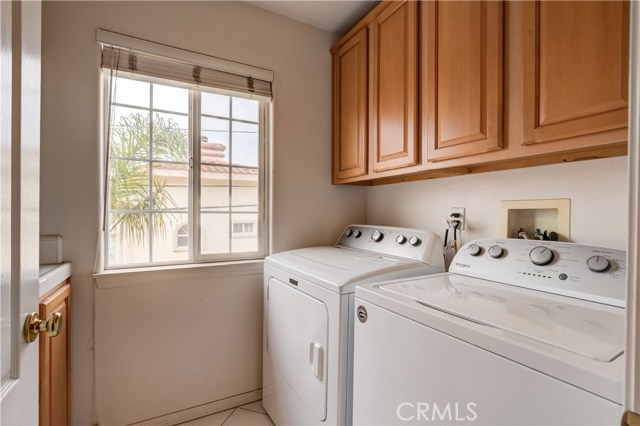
[[393, 87], [350, 109], [575, 68], [462, 78], [54, 361]]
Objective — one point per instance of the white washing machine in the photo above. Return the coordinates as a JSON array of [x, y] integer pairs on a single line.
[[519, 332], [308, 316]]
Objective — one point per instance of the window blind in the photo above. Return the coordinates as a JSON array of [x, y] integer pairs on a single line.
[[191, 69]]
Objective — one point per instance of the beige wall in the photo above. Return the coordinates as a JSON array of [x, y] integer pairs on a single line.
[[168, 342], [307, 210], [597, 189]]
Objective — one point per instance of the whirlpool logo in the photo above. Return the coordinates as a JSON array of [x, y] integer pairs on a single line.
[[434, 412], [463, 265]]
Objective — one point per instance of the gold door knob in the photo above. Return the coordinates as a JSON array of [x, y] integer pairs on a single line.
[[33, 325]]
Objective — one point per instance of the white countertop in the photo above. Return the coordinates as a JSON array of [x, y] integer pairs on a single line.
[[52, 275]]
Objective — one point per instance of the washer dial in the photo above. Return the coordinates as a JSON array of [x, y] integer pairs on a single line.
[[348, 232], [540, 256], [401, 239], [598, 264], [357, 233], [376, 236], [414, 241]]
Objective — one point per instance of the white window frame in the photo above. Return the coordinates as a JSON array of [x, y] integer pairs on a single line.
[[195, 254], [263, 119]]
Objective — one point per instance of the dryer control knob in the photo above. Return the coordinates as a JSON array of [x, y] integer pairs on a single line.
[[401, 239], [376, 236], [414, 241], [495, 251], [474, 249], [598, 264], [357, 233], [540, 256]]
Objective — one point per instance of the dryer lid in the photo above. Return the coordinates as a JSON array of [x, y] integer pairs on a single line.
[[592, 330], [339, 269]]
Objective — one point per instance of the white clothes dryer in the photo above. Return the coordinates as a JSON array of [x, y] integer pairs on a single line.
[[519, 332], [308, 316]]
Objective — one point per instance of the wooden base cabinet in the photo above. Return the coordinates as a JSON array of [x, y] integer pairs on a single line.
[[54, 360]]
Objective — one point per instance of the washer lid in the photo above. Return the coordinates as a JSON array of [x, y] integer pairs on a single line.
[[335, 267], [593, 330]]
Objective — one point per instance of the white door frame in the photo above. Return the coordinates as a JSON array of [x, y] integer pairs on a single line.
[[632, 350], [19, 205]]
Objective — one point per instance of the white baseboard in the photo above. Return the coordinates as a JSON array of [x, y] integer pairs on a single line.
[[202, 410]]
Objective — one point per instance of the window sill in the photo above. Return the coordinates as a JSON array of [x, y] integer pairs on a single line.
[[184, 274]]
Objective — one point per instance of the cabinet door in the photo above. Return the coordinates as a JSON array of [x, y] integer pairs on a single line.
[[54, 361], [350, 108], [394, 87], [462, 77], [575, 68]]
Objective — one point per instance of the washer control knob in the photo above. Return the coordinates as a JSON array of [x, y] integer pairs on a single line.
[[598, 264], [414, 241], [474, 249], [496, 251], [348, 232], [540, 256], [401, 239], [357, 233], [376, 236]]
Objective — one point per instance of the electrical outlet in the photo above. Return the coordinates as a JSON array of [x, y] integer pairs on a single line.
[[461, 218]]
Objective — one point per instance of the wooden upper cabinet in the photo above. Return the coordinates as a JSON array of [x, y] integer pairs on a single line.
[[462, 77], [350, 108], [435, 88], [394, 87], [575, 69]]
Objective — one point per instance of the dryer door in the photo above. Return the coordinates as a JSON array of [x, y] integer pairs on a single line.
[[297, 327]]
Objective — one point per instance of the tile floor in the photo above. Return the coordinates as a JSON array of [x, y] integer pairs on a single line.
[[246, 415]]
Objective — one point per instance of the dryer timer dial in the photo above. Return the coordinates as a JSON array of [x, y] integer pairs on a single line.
[[474, 249], [414, 241], [496, 251]]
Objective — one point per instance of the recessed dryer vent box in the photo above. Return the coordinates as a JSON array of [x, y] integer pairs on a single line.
[[549, 215]]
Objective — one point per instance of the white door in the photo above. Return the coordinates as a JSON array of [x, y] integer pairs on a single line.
[[632, 396], [19, 206]]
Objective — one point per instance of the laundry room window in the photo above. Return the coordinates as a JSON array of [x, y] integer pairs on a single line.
[[183, 160]]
